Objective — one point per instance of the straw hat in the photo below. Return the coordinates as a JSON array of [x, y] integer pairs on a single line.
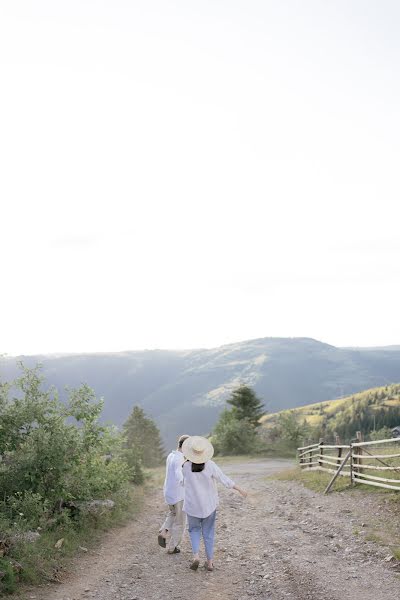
[[197, 449]]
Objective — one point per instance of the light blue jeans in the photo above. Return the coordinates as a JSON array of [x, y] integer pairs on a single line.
[[206, 526]]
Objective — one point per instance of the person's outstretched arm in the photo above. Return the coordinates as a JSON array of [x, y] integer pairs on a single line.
[[241, 491], [228, 483]]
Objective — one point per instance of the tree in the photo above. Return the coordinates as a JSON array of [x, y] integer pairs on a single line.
[[246, 405], [143, 437], [291, 428], [234, 436], [236, 429]]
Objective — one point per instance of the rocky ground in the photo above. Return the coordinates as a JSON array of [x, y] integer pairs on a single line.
[[283, 541]]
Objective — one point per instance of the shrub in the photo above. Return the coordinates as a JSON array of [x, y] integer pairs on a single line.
[[53, 452], [233, 436]]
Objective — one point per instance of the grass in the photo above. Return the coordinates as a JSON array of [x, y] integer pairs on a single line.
[[42, 561], [318, 481], [314, 480], [396, 553], [155, 477]]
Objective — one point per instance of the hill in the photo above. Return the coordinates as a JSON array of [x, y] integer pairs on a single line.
[[184, 391], [366, 411]]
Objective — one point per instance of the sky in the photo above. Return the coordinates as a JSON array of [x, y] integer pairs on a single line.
[[182, 174]]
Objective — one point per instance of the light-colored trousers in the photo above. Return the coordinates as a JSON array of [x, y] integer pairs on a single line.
[[175, 524]]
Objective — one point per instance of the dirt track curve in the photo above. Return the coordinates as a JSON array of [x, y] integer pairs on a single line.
[[284, 541]]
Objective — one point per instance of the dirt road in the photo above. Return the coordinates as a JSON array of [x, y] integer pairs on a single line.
[[284, 541]]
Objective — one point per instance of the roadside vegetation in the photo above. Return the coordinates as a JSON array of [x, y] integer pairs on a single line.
[[64, 475], [239, 429]]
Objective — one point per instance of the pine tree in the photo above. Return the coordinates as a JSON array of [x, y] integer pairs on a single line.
[[143, 436], [246, 405]]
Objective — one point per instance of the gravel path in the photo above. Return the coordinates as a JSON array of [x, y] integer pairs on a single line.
[[284, 541]]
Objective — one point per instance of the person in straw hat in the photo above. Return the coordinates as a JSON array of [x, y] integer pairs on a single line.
[[201, 495], [174, 523]]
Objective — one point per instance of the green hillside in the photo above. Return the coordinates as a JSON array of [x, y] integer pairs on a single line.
[[373, 409]]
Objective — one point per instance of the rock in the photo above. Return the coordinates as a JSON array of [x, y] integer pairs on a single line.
[[28, 537], [96, 506], [59, 543]]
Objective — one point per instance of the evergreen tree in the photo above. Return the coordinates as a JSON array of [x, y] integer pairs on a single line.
[[236, 429], [246, 405], [143, 436]]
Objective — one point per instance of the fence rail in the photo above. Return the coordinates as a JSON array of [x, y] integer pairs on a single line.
[[364, 462]]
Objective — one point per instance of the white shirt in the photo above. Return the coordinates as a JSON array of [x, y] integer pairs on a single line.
[[201, 493], [173, 484]]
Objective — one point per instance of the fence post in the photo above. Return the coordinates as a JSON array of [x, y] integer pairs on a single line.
[[360, 438], [356, 457], [337, 443], [351, 464], [321, 451]]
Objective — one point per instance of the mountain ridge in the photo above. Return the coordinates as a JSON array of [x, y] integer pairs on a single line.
[[185, 390]]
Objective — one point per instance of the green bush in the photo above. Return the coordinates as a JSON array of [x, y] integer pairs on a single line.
[[54, 451], [8, 579], [28, 509], [385, 433], [233, 436], [53, 455]]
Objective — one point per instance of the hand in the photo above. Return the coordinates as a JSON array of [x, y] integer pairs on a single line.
[[241, 492]]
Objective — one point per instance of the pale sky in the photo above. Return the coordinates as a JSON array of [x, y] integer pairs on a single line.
[[193, 173]]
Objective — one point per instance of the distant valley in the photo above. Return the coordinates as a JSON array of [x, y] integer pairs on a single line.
[[184, 391]]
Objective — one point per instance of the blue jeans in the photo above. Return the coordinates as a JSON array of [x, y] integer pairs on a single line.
[[206, 526]]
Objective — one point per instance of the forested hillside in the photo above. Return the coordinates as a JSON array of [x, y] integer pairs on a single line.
[[185, 391], [373, 410]]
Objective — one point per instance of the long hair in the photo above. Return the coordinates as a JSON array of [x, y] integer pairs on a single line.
[[197, 468]]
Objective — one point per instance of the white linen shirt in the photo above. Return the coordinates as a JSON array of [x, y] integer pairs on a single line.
[[201, 493], [173, 484]]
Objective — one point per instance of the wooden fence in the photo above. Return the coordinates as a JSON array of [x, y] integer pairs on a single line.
[[374, 463]]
